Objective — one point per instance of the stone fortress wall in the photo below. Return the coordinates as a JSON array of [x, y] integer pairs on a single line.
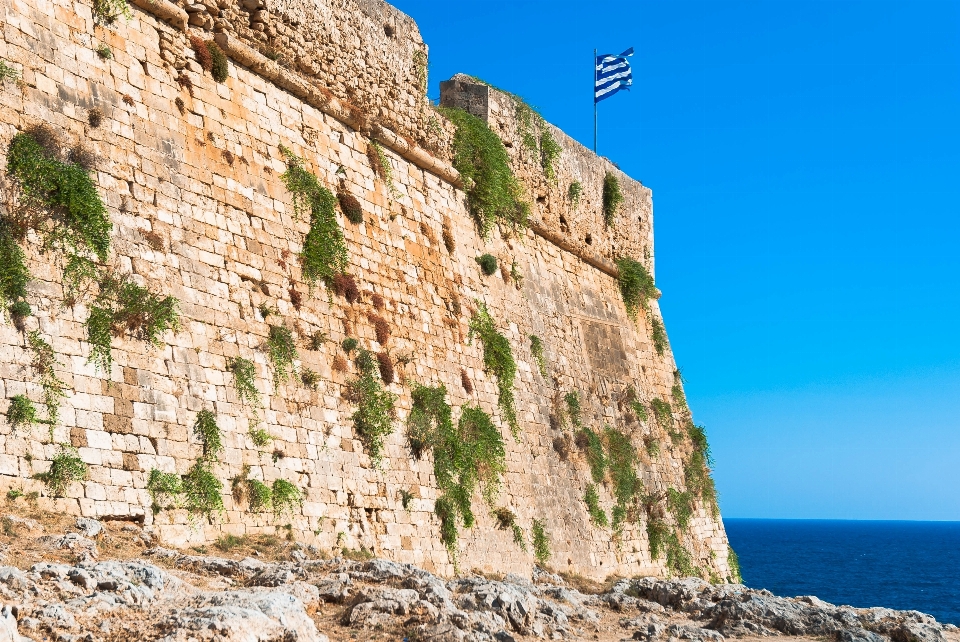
[[190, 171]]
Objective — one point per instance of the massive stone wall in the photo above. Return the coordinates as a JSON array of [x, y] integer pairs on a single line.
[[190, 172]]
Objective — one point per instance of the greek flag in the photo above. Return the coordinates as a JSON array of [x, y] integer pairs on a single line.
[[612, 74]]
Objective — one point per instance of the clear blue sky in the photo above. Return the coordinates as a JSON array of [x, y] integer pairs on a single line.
[[804, 160]]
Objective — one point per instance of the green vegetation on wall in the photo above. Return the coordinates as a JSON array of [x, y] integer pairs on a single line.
[[572, 401], [733, 562], [612, 198], [596, 457], [285, 497], [592, 500], [659, 335], [541, 541], [282, 351], [498, 360], [14, 274], [21, 413], [469, 456], [494, 194], [487, 263], [536, 349], [324, 248], [636, 285], [76, 219], [244, 381], [44, 361], [573, 194], [65, 468], [123, 306], [373, 419], [220, 67], [205, 429]]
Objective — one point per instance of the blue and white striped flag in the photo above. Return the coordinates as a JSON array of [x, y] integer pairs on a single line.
[[612, 74]]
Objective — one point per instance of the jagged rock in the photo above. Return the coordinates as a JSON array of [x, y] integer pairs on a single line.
[[8, 626], [858, 635], [272, 576], [89, 527], [73, 542], [335, 589], [241, 616]]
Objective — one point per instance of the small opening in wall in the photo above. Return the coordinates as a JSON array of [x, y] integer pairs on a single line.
[[589, 240], [146, 71], [541, 199], [389, 30]]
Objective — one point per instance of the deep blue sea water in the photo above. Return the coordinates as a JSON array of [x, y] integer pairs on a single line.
[[900, 565]]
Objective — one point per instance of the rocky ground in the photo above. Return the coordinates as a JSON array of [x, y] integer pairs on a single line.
[[71, 579]]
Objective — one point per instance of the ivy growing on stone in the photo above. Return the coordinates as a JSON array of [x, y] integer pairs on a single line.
[[373, 419], [621, 462], [733, 563], [541, 541], [658, 334], [60, 200], [612, 198], [681, 505], [285, 497], [592, 500], [65, 468], [205, 429], [494, 194], [44, 362], [164, 486], [21, 413], [498, 360], [121, 307], [657, 534], [202, 491], [636, 285], [244, 380], [14, 274], [572, 401], [108, 11], [282, 351], [596, 457], [261, 496], [536, 349], [324, 248], [465, 457], [507, 520]]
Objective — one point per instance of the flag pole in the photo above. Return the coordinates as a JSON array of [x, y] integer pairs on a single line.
[[594, 101]]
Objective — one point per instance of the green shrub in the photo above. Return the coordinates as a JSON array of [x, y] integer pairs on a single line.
[[244, 380], [574, 192], [465, 457], [65, 468], [20, 310], [657, 534], [104, 52], [596, 457], [309, 378], [733, 562], [205, 428], [286, 497], [494, 194], [612, 198], [405, 498], [108, 11], [44, 362], [14, 274], [260, 437], [536, 349], [8, 73], [663, 413], [349, 344], [324, 248], [164, 486], [21, 413], [681, 505], [351, 208], [697, 478], [282, 351], [572, 400], [541, 542], [65, 191], [15, 493], [659, 335], [621, 462], [597, 514], [653, 446], [488, 264], [381, 166], [639, 410], [202, 491], [507, 520], [550, 151], [678, 558], [698, 437], [261, 496], [498, 360], [636, 285], [221, 67], [373, 419], [123, 306]]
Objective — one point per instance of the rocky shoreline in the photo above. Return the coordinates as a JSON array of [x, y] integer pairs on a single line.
[[154, 593]]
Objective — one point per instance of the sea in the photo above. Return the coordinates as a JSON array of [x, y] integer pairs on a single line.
[[900, 565]]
